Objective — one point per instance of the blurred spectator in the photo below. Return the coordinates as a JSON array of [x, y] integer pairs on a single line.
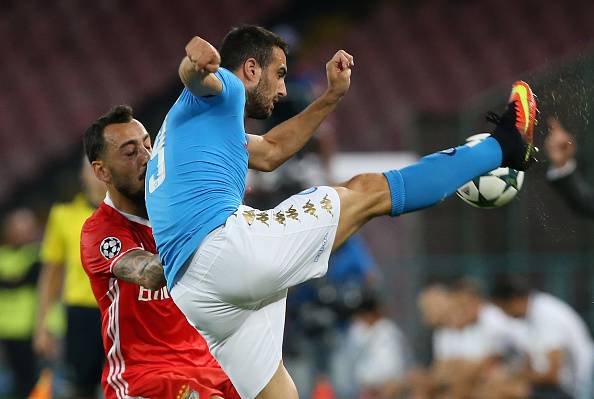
[[472, 338], [60, 254], [560, 348], [379, 352], [561, 147], [435, 305], [19, 269], [489, 343], [490, 335]]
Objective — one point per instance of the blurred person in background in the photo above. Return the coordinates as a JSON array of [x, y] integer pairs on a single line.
[[561, 147], [19, 269], [379, 352], [560, 348], [471, 338], [488, 341], [62, 272], [436, 308]]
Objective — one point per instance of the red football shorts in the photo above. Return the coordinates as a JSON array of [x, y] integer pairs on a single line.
[[184, 383]]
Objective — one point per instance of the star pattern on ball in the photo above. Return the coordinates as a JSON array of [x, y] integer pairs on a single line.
[[511, 179]]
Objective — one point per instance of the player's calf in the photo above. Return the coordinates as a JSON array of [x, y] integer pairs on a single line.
[[437, 176]]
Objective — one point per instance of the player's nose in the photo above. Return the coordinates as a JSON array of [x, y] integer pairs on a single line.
[[282, 89], [145, 155]]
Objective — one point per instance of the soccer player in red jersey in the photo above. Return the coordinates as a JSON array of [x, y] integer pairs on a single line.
[[152, 351]]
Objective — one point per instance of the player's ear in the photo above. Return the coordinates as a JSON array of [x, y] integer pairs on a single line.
[[252, 70], [101, 172]]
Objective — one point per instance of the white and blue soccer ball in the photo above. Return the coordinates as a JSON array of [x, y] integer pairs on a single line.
[[493, 189]]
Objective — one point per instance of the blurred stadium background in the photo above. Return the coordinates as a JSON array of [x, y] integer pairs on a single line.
[[426, 72]]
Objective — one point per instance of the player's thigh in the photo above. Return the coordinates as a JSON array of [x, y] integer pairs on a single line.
[[247, 342], [266, 252], [280, 386]]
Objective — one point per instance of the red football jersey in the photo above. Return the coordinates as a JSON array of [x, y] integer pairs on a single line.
[[143, 331]]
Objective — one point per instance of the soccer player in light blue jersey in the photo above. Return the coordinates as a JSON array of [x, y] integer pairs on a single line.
[[228, 266]]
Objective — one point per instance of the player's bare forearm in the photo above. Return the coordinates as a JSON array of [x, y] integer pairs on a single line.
[[199, 83], [142, 268], [271, 150], [49, 286], [197, 68], [549, 377]]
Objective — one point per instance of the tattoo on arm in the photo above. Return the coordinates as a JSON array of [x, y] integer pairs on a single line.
[[142, 268]]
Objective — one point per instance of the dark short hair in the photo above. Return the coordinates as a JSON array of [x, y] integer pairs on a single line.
[[249, 41], [94, 142], [507, 287], [370, 301], [468, 285]]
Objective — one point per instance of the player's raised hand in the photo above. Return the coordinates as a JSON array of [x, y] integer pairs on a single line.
[[559, 145], [338, 71], [203, 56]]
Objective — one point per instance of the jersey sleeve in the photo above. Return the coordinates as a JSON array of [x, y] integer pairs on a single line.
[[551, 331], [53, 245], [101, 246], [231, 101], [440, 345], [495, 329]]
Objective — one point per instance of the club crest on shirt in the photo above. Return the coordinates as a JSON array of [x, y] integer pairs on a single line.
[[185, 393], [110, 247]]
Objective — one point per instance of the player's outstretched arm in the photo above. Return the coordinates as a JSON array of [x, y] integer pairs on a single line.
[[271, 150], [197, 69], [560, 147], [142, 268], [48, 287]]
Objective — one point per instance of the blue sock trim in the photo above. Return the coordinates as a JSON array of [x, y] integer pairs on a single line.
[[397, 192]]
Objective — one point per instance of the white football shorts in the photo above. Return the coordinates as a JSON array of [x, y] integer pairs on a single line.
[[234, 288]]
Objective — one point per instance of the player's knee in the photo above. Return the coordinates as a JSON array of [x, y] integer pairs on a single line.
[[367, 182], [365, 196]]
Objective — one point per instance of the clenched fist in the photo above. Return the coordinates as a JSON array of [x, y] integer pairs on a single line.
[[203, 55], [338, 71], [559, 145]]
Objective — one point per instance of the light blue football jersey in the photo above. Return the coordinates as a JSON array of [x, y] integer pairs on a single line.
[[195, 178]]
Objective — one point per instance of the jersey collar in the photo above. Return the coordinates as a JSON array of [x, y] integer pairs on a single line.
[[129, 216]]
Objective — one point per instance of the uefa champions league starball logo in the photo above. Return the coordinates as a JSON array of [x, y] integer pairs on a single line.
[[110, 247]]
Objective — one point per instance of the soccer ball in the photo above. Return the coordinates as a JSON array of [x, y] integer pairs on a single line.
[[493, 189]]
